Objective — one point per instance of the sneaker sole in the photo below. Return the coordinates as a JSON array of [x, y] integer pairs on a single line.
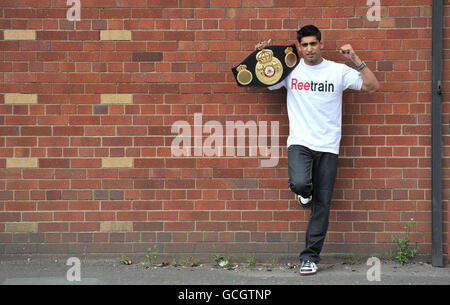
[[305, 205], [308, 272]]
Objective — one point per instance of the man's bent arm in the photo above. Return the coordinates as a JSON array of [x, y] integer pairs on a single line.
[[370, 82]]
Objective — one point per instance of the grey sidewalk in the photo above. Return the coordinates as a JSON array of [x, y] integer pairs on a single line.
[[111, 272]]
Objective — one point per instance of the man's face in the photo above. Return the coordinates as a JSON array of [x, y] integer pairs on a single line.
[[311, 49]]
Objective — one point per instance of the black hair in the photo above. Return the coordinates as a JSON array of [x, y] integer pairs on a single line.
[[309, 30]]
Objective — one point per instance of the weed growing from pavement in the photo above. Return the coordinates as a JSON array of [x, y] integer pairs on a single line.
[[355, 259], [405, 252], [273, 261], [151, 257], [190, 261], [125, 260], [251, 261]]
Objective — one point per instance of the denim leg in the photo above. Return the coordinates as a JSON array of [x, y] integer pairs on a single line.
[[324, 176], [300, 161]]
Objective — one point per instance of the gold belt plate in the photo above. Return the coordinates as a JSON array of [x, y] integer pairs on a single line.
[[269, 69]]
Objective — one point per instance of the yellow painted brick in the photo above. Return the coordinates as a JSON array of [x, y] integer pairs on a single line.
[[19, 34], [115, 35], [18, 98], [117, 162], [117, 99], [21, 227], [22, 163], [387, 23], [116, 226]]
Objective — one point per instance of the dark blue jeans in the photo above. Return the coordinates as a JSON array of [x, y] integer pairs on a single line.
[[313, 173]]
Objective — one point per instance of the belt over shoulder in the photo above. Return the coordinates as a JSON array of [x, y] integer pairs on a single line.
[[266, 67]]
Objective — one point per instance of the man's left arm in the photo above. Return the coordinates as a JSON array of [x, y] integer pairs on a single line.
[[370, 82]]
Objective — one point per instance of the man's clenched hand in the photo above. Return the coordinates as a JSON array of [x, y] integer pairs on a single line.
[[350, 54], [262, 44]]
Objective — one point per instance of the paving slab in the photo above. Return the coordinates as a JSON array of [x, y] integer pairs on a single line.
[[112, 272]]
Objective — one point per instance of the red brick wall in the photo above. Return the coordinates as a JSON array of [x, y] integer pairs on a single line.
[[84, 170]]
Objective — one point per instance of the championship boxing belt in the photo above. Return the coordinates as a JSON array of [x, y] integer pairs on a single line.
[[266, 67]]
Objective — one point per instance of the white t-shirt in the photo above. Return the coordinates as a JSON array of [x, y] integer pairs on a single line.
[[314, 103]]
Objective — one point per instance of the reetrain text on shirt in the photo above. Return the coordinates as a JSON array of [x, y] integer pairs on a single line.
[[313, 86]]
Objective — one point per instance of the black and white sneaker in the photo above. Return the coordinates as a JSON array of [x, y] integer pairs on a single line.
[[308, 268], [304, 202]]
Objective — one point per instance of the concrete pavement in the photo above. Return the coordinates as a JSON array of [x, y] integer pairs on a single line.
[[47, 271]]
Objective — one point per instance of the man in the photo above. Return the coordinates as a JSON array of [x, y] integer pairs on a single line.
[[314, 104]]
